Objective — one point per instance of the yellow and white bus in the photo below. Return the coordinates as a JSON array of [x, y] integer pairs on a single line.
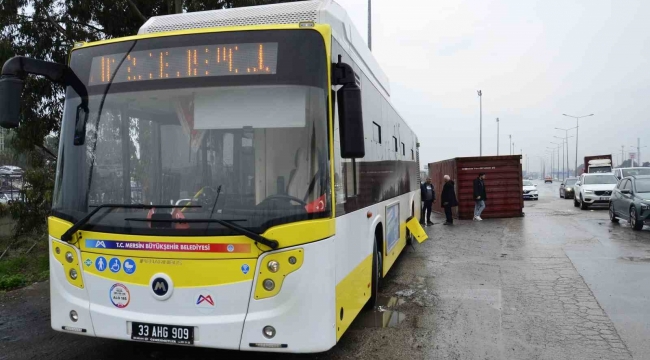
[[233, 179]]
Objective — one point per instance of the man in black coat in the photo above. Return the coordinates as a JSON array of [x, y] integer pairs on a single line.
[[480, 195], [448, 199], [428, 197]]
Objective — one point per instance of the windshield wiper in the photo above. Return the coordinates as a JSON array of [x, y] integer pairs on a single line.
[[67, 236], [273, 244]]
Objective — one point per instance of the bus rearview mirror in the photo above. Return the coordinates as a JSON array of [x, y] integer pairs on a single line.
[[11, 90], [350, 121], [80, 125]]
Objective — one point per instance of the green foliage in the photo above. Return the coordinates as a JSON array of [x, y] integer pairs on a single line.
[[12, 281], [26, 261]]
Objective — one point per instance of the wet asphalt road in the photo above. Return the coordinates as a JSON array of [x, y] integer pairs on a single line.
[[560, 283]]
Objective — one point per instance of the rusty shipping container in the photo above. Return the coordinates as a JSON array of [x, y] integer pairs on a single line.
[[503, 182]]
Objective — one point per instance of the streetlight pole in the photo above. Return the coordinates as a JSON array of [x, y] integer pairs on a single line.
[[480, 107], [510, 150], [552, 159], [563, 167], [558, 155], [566, 136], [497, 136], [369, 25], [577, 126]]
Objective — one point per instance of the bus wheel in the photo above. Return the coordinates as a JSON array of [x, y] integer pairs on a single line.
[[376, 276]]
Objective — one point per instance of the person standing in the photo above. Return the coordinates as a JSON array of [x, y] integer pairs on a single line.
[[448, 199], [479, 196], [428, 197]]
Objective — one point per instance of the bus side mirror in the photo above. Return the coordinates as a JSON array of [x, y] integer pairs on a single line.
[[80, 125], [350, 122], [350, 114], [11, 90]]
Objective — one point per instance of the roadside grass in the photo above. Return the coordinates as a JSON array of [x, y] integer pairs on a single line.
[[20, 265]]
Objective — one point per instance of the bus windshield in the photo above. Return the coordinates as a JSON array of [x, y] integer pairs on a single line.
[[234, 124]]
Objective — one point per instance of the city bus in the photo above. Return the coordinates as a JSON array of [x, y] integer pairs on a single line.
[[233, 179]]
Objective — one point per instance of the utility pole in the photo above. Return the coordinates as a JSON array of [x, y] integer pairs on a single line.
[[369, 25], [638, 151], [510, 150], [497, 136], [577, 125], [622, 154], [480, 112]]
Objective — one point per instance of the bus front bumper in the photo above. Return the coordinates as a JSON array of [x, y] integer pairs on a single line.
[[302, 313]]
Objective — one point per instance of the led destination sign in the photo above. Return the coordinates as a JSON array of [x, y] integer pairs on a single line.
[[185, 62]]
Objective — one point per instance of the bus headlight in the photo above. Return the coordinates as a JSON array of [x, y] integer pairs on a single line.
[[268, 284], [68, 257], [273, 266], [74, 316]]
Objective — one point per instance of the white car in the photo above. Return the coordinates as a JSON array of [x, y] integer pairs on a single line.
[[594, 189], [530, 190]]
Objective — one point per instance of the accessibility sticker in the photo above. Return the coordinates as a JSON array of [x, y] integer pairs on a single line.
[[167, 246], [120, 295], [115, 265], [100, 263], [245, 269], [129, 266], [88, 262]]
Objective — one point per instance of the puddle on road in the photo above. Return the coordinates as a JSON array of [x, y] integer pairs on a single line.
[[382, 316], [635, 259]]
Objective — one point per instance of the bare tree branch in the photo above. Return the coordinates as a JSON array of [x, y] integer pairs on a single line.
[[56, 25], [136, 11], [42, 147]]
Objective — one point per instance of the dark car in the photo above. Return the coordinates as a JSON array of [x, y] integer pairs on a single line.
[[631, 201], [566, 188]]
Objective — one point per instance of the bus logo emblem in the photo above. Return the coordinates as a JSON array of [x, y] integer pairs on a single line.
[[230, 248], [245, 268], [207, 299], [160, 287]]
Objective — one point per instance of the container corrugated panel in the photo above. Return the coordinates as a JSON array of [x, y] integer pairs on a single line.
[[503, 182]]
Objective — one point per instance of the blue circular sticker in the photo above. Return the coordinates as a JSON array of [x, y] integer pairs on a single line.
[[129, 266], [100, 263], [115, 265], [245, 268], [230, 248]]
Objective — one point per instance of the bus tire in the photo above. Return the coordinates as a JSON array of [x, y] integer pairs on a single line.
[[376, 276]]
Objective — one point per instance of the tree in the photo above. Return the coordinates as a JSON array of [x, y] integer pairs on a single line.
[[23, 29]]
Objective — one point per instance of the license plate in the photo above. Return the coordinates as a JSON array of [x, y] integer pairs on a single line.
[[604, 198], [171, 334]]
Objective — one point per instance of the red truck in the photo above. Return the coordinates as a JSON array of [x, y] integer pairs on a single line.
[[598, 164]]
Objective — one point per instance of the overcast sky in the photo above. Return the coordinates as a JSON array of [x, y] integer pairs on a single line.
[[533, 60]]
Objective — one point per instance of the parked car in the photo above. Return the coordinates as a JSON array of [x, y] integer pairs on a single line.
[[13, 171], [567, 188], [9, 197], [548, 179], [594, 189], [631, 201], [530, 190], [625, 172]]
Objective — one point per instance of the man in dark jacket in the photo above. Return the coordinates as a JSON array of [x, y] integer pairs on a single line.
[[480, 195], [448, 199], [428, 197]]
